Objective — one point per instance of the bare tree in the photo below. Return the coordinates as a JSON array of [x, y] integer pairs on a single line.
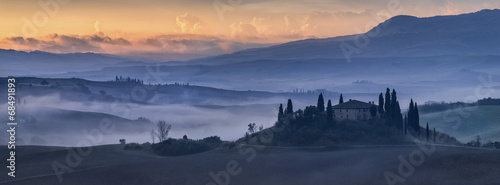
[[152, 133], [162, 130]]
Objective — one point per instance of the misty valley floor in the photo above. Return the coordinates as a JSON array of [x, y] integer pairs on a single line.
[[113, 165]]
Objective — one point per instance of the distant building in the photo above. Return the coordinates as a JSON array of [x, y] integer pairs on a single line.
[[353, 110]]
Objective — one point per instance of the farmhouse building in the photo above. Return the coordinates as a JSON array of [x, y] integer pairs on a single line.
[[353, 110]]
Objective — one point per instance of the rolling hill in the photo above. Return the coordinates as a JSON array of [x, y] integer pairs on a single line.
[[466, 123]]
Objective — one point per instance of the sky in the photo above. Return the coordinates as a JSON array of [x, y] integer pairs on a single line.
[[184, 29]]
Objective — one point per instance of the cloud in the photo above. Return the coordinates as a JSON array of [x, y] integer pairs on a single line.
[[189, 23], [242, 29], [96, 26], [179, 46], [57, 43]]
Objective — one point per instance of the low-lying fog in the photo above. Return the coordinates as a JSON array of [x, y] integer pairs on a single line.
[[49, 120]]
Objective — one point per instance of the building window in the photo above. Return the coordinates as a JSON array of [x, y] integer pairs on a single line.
[[347, 116], [347, 110]]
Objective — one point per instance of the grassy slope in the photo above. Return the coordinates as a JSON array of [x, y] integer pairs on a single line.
[[112, 165], [465, 123]]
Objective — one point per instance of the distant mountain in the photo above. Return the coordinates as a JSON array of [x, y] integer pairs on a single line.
[[401, 36], [39, 62]]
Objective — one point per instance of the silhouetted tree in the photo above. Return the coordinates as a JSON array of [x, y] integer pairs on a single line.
[[329, 112], [162, 130], [185, 137], [411, 117], [152, 133], [394, 100], [289, 107], [388, 102], [321, 103], [417, 118], [381, 104], [251, 128], [341, 100], [280, 111], [427, 131]]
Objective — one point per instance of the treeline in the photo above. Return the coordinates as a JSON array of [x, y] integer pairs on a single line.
[[128, 80], [186, 146], [443, 106], [479, 142]]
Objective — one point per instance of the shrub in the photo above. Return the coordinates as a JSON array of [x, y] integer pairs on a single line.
[[178, 147]]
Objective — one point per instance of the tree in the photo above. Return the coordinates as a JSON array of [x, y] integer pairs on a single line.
[[162, 129], [261, 127], [321, 103], [116, 78], [417, 119], [280, 111], [373, 110], [251, 128], [341, 100], [411, 120], [152, 133], [394, 100], [381, 104], [388, 102], [398, 117], [185, 137], [44, 83], [329, 112], [122, 141], [289, 107], [478, 141], [427, 131]]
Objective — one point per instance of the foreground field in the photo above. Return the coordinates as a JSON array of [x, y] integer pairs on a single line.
[[360, 165]]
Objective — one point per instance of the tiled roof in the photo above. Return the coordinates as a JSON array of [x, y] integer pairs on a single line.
[[353, 104]]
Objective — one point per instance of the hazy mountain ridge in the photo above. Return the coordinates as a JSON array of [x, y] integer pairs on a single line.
[[400, 36]]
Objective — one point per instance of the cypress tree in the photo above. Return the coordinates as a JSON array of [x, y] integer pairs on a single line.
[[341, 100], [289, 107], [417, 119], [388, 102], [427, 130], [394, 99], [280, 112], [381, 104], [410, 115], [329, 112], [321, 103]]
